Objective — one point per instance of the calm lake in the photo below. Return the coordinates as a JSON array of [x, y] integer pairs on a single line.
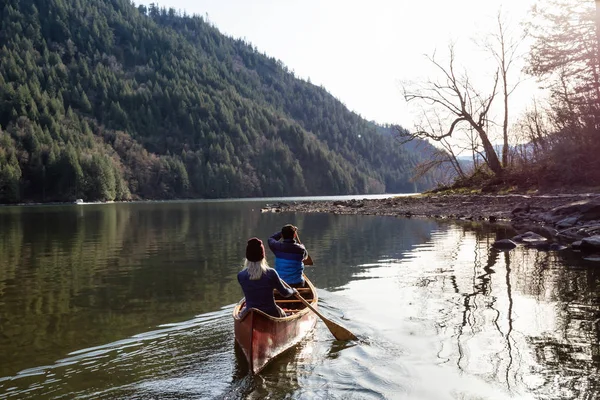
[[134, 301]]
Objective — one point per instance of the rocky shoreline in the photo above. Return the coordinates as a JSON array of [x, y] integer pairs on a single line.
[[547, 221]]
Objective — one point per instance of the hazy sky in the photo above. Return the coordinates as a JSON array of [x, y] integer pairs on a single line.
[[361, 51]]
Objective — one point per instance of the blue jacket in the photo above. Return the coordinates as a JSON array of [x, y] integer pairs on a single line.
[[288, 258], [259, 293]]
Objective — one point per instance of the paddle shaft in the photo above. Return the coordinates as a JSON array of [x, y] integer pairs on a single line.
[[338, 331], [308, 260]]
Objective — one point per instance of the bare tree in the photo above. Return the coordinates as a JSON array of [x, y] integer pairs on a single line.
[[534, 130], [473, 147], [441, 166], [441, 157], [455, 96], [504, 47]]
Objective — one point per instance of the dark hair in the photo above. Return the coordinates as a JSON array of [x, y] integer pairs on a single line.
[[288, 231]]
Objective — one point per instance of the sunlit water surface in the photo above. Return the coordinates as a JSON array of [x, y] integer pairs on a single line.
[[134, 301]]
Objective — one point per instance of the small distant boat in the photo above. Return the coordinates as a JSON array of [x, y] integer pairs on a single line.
[[78, 201], [262, 337]]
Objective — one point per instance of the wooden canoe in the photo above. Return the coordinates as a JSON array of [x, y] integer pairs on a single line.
[[262, 337]]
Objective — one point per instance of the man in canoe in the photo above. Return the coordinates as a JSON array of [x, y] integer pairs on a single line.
[[289, 255], [258, 281]]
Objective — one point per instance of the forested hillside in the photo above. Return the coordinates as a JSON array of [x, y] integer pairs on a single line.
[[102, 100]]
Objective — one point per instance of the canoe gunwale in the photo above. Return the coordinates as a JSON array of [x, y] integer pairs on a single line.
[[238, 308]]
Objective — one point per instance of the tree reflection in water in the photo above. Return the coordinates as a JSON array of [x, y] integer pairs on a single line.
[[528, 319]]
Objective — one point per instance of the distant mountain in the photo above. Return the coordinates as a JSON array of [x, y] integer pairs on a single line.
[[102, 100]]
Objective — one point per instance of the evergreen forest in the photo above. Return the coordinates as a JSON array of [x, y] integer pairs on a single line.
[[105, 100]]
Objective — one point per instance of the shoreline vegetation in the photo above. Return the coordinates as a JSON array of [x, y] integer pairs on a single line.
[[192, 199]]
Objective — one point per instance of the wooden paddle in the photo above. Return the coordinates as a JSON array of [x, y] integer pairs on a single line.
[[338, 331], [308, 260]]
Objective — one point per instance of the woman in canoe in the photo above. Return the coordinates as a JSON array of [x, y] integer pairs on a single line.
[[258, 280]]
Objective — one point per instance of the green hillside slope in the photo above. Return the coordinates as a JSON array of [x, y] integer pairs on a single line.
[[102, 100]]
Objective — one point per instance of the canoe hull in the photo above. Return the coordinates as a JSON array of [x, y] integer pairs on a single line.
[[262, 337]]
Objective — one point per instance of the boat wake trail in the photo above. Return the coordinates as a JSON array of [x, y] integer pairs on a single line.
[[188, 359]]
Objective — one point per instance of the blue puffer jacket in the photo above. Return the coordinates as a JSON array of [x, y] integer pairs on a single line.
[[288, 258]]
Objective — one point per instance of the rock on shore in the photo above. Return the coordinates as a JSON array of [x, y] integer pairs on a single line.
[[557, 218]]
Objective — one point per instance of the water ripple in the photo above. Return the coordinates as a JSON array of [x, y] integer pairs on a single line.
[[136, 364]]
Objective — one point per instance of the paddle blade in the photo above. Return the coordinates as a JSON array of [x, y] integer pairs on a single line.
[[338, 331]]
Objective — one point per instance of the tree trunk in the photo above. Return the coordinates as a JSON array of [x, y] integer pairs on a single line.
[[492, 158], [505, 124]]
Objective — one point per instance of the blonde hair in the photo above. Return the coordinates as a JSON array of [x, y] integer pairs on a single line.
[[256, 268]]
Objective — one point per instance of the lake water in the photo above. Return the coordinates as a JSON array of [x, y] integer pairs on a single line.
[[134, 301]]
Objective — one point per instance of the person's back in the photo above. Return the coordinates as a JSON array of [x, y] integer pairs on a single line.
[[258, 281], [259, 293], [289, 256]]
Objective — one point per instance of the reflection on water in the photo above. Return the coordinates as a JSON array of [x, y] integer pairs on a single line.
[[134, 301]]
